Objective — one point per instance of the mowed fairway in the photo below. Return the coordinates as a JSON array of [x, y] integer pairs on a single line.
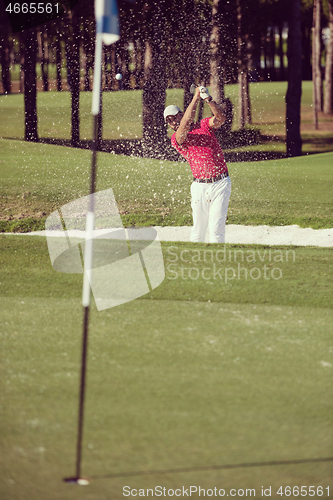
[[38, 178], [214, 383]]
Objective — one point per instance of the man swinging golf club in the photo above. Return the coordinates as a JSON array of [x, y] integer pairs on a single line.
[[211, 186]]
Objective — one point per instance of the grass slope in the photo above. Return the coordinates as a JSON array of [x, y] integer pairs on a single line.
[[38, 178], [173, 383], [288, 276]]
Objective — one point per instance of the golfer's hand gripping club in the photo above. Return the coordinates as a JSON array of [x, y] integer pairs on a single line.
[[204, 94]]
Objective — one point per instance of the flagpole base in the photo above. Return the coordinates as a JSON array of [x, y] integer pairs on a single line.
[[81, 481]]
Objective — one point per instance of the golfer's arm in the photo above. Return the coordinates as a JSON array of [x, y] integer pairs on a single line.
[[187, 120], [218, 117]]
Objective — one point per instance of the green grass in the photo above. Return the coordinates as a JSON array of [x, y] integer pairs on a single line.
[[52, 71], [217, 367], [174, 381], [282, 276], [122, 115], [38, 178]]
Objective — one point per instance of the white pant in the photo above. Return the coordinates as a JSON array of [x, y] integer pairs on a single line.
[[209, 204]]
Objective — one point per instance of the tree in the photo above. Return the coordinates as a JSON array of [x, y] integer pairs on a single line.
[[72, 33], [43, 53], [222, 58], [244, 106], [58, 53], [30, 86], [5, 47], [188, 47], [280, 50], [328, 100], [316, 63], [154, 88], [138, 58], [294, 91], [20, 38], [88, 38], [306, 29], [216, 72]]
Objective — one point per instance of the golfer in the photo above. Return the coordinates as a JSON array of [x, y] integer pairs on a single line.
[[211, 186]]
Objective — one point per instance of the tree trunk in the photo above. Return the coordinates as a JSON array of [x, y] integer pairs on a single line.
[[281, 55], [113, 65], [189, 52], [272, 53], [153, 98], [294, 91], [241, 104], [73, 76], [138, 72], [88, 45], [247, 100], [5, 60], [306, 49], [58, 62], [125, 73], [21, 38], [30, 86], [218, 43], [328, 101], [203, 62], [108, 68], [216, 75], [266, 69], [43, 58], [154, 89], [244, 113], [316, 66]]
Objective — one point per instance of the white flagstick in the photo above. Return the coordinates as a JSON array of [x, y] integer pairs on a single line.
[[88, 263], [90, 221], [88, 258], [107, 31], [97, 75]]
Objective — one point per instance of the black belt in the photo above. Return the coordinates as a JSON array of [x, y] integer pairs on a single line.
[[211, 179]]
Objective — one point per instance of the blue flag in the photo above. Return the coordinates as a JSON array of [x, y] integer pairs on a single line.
[[107, 20]]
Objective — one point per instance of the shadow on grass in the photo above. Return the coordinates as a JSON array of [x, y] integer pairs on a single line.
[[136, 147], [213, 467], [319, 141]]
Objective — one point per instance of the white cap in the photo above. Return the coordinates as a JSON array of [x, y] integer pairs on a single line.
[[171, 111]]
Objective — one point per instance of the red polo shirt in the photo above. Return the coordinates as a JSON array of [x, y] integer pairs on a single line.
[[202, 150]]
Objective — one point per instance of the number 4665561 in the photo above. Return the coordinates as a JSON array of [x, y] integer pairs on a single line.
[[32, 8], [303, 491]]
